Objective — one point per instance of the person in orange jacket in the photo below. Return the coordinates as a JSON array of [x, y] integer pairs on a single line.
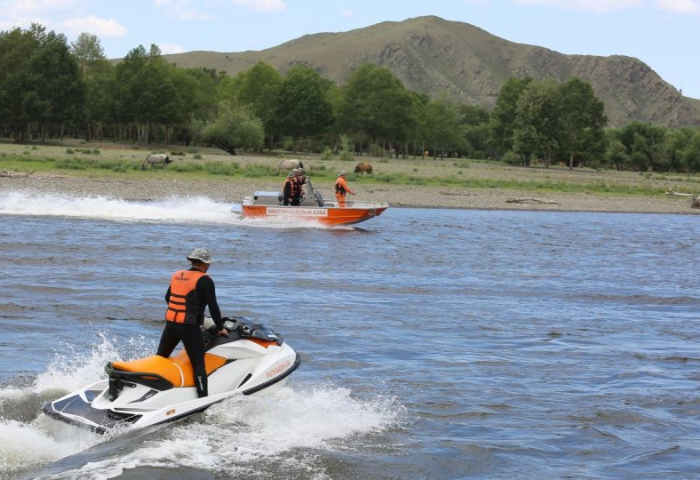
[[342, 189], [189, 293]]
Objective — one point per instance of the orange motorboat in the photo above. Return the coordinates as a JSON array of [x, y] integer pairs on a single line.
[[313, 208]]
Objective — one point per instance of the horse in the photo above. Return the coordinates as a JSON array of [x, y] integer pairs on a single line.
[[363, 167], [155, 158], [288, 165]]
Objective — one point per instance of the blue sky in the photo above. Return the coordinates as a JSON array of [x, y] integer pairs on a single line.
[[663, 33]]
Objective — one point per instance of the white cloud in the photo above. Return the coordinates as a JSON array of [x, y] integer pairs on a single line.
[[593, 6], [166, 48], [347, 13], [679, 6], [182, 9], [264, 6], [106, 27]]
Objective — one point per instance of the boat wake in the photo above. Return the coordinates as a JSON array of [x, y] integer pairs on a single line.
[[243, 435], [199, 210]]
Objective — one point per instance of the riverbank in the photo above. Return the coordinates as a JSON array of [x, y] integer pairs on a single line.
[[113, 170], [416, 196]]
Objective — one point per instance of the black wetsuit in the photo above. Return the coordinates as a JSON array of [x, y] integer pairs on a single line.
[[191, 335]]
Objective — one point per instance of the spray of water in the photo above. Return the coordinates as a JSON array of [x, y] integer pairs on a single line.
[[199, 210], [234, 437]]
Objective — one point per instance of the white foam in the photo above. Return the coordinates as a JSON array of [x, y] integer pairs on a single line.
[[26, 445], [174, 210], [244, 430], [73, 369], [200, 210]]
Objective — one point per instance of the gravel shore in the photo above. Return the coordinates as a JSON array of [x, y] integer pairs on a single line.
[[234, 189]]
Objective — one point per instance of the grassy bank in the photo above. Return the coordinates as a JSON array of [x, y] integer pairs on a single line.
[[125, 162]]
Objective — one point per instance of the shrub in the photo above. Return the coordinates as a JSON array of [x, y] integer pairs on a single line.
[[221, 168], [70, 151], [187, 167], [256, 171], [71, 164], [346, 149], [327, 154], [197, 156]]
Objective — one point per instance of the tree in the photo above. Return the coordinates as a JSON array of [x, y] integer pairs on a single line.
[[88, 50], [582, 118], [616, 154], [503, 116], [442, 125], [235, 127], [538, 120], [304, 109], [376, 102], [474, 126], [260, 90], [98, 77]]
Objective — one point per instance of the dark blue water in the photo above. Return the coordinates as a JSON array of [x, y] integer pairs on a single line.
[[435, 344]]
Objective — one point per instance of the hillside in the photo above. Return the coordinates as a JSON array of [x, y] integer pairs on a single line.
[[431, 55]]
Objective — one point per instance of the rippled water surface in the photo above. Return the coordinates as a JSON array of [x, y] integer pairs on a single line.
[[434, 344]]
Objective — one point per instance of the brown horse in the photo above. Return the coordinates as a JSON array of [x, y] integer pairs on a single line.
[[363, 167]]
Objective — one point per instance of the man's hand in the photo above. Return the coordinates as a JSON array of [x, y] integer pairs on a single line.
[[222, 333]]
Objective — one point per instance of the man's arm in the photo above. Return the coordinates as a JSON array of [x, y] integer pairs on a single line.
[[207, 292]]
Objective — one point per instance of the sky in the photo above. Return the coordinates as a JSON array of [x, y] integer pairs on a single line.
[[665, 34]]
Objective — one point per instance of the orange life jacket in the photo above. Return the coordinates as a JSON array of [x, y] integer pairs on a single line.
[[340, 186], [182, 305]]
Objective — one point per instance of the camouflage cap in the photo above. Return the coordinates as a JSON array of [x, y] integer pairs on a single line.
[[201, 254], [291, 174]]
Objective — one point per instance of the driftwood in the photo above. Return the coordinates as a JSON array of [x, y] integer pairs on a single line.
[[458, 194], [9, 174], [531, 200], [678, 194], [694, 201]]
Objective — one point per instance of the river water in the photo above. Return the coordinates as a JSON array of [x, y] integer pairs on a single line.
[[435, 343]]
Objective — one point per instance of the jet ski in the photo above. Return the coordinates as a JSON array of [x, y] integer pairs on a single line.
[[154, 390]]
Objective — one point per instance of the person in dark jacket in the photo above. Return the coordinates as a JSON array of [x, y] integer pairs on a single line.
[[299, 181], [288, 190], [189, 294]]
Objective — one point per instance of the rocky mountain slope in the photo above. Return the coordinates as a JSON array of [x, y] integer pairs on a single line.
[[432, 55]]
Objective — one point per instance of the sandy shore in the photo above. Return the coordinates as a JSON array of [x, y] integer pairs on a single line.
[[234, 189]]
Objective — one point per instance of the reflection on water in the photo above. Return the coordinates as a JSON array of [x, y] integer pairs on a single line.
[[435, 344]]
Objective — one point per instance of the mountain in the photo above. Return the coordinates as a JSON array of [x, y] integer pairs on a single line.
[[431, 55]]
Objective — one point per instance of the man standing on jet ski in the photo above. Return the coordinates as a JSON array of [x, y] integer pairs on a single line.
[[189, 293]]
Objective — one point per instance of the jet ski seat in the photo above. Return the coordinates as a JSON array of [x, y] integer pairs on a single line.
[[173, 372]]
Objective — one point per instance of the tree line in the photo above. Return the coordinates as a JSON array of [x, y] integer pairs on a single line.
[[52, 89]]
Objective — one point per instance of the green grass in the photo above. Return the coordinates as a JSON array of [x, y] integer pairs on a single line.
[[90, 166]]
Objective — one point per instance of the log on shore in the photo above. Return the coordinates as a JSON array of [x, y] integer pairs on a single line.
[[531, 200]]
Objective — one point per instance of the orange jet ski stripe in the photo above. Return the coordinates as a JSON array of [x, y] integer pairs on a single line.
[[182, 296]]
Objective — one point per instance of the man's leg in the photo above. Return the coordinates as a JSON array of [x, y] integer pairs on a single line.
[[194, 346], [168, 340]]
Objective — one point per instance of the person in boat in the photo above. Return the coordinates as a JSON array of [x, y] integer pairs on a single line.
[[288, 190], [342, 189], [189, 293], [299, 181]]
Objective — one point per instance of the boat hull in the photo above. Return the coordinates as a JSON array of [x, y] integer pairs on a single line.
[[325, 215]]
